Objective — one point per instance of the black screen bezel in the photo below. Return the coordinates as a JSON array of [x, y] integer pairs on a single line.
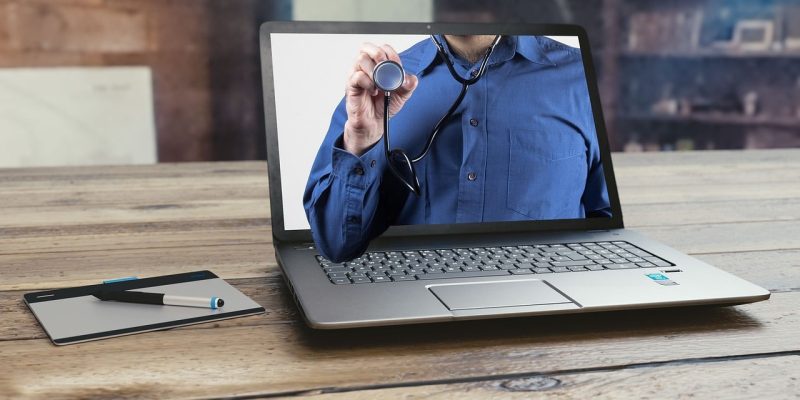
[[276, 201]]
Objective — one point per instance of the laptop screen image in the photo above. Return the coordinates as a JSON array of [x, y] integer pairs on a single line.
[[520, 145]]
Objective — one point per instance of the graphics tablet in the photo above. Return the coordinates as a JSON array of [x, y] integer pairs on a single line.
[[73, 315]]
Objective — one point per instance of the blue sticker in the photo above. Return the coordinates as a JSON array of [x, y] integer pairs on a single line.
[[662, 280]]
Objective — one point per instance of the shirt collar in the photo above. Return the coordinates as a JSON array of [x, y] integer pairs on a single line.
[[529, 47]]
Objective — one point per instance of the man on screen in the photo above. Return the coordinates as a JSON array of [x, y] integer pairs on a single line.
[[521, 146]]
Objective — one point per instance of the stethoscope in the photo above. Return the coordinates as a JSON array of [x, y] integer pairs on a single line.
[[389, 76]]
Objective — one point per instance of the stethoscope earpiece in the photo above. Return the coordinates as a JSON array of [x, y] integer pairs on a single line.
[[388, 76]]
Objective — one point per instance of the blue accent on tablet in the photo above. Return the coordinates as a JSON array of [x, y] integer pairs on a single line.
[[127, 278]]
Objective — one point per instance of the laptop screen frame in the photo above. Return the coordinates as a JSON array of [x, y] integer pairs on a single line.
[[276, 200]]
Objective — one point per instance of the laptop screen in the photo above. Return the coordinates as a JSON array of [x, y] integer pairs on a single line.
[[520, 145]]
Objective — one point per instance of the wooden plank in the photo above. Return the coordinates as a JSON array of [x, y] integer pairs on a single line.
[[126, 205], [734, 237], [277, 358], [773, 270], [54, 270], [698, 193], [726, 211], [161, 184], [122, 172], [242, 248], [739, 160], [760, 378], [165, 209], [113, 237], [252, 269], [776, 271]]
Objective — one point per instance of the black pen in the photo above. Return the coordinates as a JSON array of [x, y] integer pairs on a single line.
[[128, 296]]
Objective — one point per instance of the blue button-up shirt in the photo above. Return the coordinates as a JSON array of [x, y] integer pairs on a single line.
[[521, 146]]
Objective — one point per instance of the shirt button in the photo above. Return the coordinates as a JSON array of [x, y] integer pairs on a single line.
[[474, 73], [352, 219], [472, 176], [473, 122], [372, 163], [358, 170]]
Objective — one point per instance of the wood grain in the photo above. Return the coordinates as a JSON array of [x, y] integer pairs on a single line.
[[276, 358], [760, 378], [72, 226]]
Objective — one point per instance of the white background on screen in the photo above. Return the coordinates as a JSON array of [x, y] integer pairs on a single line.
[[310, 71]]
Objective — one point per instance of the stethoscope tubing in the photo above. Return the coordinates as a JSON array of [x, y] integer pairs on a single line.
[[465, 83]]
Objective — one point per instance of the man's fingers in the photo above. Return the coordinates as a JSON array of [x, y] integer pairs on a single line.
[[359, 82], [364, 63], [391, 53], [409, 84], [376, 53]]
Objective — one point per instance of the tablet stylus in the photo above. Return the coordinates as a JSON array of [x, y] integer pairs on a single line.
[[128, 296]]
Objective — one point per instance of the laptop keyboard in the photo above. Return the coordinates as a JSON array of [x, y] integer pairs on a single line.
[[397, 266]]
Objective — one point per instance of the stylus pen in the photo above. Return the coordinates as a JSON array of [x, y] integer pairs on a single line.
[[128, 296]]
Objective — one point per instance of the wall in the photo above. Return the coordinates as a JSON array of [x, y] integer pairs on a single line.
[[170, 36], [363, 10]]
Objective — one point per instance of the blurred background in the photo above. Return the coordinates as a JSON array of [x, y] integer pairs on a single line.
[[140, 81]]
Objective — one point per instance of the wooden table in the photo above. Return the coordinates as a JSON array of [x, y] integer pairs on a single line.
[[62, 227]]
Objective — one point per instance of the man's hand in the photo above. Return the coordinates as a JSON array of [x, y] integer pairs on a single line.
[[364, 101]]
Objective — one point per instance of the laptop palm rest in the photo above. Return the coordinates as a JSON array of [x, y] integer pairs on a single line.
[[498, 294]]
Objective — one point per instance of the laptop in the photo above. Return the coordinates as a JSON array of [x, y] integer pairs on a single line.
[[502, 203]]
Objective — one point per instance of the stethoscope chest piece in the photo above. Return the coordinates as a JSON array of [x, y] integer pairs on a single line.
[[388, 76]]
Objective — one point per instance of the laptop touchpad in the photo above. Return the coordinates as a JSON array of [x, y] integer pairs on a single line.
[[477, 295]]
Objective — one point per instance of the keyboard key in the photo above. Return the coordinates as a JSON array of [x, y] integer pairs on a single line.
[[640, 253], [559, 269], [541, 270], [336, 269], [337, 275], [398, 278], [658, 262], [571, 263], [521, 272], [340, 281], [462, 274], [621, 266], [645, 265], [595, 267], [382, 278], [577, 268], [361, 280]]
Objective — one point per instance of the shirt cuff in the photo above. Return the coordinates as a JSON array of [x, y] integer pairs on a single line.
[[357, 171]]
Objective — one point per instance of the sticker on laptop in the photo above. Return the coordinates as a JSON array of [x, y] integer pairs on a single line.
[[661, 279]]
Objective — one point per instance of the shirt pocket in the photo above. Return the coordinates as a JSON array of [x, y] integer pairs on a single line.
[[547, 172]]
